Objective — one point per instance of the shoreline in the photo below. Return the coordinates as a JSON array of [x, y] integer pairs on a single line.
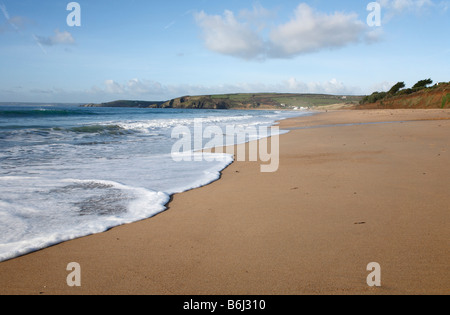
[[235, 243]]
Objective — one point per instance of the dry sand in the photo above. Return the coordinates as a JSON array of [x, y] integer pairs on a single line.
[[343, 197]]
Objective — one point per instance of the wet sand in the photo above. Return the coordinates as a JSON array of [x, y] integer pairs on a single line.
[[343, 197]]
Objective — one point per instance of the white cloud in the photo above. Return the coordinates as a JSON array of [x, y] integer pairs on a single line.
[[228, 36], [60, 38], [311, 31], [307, 32]]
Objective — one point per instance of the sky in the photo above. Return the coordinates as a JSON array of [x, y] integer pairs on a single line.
[[105, 50]]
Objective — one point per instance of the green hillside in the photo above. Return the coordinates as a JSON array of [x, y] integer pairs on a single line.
[[259, 101]]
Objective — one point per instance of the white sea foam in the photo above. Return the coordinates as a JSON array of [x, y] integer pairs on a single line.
[[147, 126], [25, 229]]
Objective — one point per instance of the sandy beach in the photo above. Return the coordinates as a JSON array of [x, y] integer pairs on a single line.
[[346, 194]]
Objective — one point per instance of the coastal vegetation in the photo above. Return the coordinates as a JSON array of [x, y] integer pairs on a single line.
[[421, 95], [445, 100]]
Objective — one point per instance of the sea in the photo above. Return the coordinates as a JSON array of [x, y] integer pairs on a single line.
[[67, 171]]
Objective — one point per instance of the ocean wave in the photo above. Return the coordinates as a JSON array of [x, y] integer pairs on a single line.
[[98, 129], [36, 113]]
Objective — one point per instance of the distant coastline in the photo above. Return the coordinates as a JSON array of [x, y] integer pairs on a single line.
[[241, 101]]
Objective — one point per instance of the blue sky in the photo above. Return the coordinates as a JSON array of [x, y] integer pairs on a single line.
[[157, 50]]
